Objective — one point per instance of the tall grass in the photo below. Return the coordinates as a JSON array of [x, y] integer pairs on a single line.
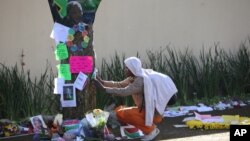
[[174, 64], [238, 74], [206, 74], [20, 97], [212, 74]]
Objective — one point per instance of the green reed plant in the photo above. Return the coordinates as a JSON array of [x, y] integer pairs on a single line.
[[21, 97], [156, 60], [111, 70], [44, 101], [177, 69], [209, 74], [238, 71], [172, 63]]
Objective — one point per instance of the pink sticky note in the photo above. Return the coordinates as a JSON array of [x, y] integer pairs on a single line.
[[81, 64]]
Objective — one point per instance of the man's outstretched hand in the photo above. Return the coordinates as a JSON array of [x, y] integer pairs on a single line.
[[99, 85], [99, 79]]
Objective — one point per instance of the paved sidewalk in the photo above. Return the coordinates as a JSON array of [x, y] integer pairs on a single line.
[[210, 137], [171, 133]]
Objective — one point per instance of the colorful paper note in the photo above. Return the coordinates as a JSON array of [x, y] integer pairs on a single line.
[[64, 71], [61, 52], [81, 64]]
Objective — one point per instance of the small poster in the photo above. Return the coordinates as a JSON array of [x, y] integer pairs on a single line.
[[68, 98]]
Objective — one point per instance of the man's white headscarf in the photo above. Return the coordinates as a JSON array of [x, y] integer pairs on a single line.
[[158, 88]]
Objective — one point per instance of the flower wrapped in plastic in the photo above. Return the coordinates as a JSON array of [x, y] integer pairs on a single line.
[[97, 120]]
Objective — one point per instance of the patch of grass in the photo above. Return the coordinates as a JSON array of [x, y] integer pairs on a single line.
[[21, 98]]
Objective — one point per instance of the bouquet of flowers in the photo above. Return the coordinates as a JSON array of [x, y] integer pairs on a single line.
[[97, 120]]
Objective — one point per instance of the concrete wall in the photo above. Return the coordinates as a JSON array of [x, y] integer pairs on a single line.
[[125, 26]]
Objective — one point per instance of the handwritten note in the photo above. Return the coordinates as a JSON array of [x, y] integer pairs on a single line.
[[80, 81], [81, 64], [64, 71], [61, 52]]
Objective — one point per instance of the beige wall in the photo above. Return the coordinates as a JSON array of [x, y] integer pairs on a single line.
[[125, 26], [26, 25]]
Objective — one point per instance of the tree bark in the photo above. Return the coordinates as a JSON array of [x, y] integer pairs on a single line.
[[85, 99]]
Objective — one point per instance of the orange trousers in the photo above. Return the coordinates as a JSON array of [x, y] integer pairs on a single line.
[[135, 117]]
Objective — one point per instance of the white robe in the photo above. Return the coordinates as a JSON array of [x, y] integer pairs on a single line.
[[158, 88]]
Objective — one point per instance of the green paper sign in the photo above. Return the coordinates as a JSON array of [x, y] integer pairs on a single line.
[[64, 71], [61, 52]]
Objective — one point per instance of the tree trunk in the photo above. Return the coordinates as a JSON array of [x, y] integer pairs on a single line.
[[85, 99], [73, 14]]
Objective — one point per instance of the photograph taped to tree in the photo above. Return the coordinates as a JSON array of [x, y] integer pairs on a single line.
[[68, 92], [71, 12], [68, 98]]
